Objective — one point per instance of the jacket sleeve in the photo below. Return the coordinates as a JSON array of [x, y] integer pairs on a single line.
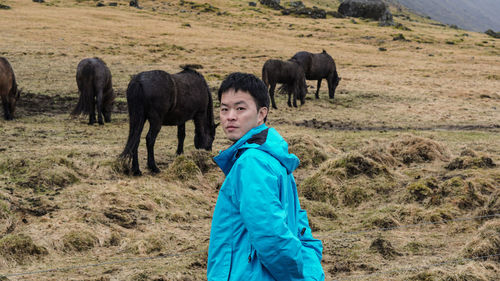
[[257, 195]]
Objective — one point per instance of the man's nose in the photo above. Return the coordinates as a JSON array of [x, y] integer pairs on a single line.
[[231, 115]]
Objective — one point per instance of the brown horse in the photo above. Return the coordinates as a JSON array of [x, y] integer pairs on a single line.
[[317, 67], [8, 89], [94, 84], [288, 73], [170, 100]]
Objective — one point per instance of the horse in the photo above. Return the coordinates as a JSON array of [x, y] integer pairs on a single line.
[[94, 84], [288, 73], [169, 100], [8, 89], [317, 67]]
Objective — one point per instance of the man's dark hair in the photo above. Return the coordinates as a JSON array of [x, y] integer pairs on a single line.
[[247, 83]]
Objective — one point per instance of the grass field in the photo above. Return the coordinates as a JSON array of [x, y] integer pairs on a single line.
[[410, 144]]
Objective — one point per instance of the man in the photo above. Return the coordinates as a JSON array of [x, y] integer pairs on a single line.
[[258, 230]]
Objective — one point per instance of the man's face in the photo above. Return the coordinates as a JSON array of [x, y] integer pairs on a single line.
[[238, 114]]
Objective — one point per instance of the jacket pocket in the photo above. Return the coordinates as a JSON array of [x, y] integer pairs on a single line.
[[251, 254]]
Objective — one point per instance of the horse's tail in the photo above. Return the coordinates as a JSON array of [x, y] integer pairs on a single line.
[[85, 79], [135, 102], [265, 76]]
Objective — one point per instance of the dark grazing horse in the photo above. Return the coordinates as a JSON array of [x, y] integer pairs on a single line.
[[8, 89], [94, 84], [170, 100], [288, 73], [317, 67]]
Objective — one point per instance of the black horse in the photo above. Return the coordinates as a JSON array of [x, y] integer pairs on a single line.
[[171, 100], [94, 84], [288, 73], [8, 89], [317, 67]]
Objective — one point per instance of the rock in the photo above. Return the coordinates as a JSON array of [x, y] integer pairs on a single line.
[[100, 4], [39, 1], [335, 14], [135, 3], [371, 9], [4, 7], [252, 4], [315, 13], [297, 4], [275, 4], [492, 33], [113, 4]]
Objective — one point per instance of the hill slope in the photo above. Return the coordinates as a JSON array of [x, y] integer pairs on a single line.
[[399, 171], [477, 15]]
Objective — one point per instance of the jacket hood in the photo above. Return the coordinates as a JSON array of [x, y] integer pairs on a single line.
[[262, 138]]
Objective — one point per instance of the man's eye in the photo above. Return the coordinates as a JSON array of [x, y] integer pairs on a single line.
[[223, 109], [240, 108]]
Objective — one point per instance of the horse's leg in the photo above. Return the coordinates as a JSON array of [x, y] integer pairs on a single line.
[[317, 88], [6, 109], [181, 135], [289, 103], [331, 91], [92, 112], [154, 129], [200, 131], [271, 94], [99, 107], [295, 94]]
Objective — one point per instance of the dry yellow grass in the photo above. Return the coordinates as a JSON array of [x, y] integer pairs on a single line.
[[58, 176]]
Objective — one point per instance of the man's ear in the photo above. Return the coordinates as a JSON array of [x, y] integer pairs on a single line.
[[262, 114]]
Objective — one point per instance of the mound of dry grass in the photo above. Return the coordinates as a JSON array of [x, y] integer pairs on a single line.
[[79, 240], [352, 165], [41, 175], [379, 153], [384, 248], [466, 195], [183, 168], [412, 149], [203, 159], [309, 151], [20, 248], [470, 162], [319, 188], [485, 243]]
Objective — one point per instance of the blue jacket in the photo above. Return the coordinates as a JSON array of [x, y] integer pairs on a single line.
[[258, 230]]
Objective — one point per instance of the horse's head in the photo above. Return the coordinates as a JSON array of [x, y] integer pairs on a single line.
[[13, 100]]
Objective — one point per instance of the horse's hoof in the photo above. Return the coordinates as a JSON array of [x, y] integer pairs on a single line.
[[155, 170], [137, 173], [101, 123]]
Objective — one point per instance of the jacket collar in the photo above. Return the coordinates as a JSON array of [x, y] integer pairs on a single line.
[[226, 158]]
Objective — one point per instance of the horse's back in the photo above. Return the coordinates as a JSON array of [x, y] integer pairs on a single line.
[[192, 94]]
